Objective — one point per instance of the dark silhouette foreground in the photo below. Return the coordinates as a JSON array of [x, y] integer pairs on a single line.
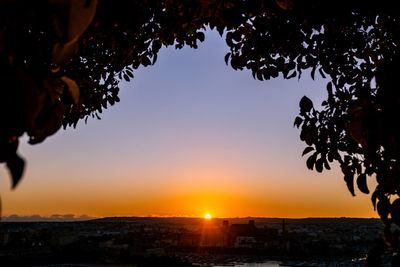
[[61, 61]]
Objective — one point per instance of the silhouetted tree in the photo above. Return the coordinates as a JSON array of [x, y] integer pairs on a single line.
[[61, 61]]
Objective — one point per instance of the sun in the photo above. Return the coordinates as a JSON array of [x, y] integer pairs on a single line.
[[207, 216]]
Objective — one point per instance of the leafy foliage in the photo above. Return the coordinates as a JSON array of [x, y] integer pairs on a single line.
[[61, 61]]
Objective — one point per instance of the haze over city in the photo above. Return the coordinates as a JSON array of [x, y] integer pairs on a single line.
[[190, 137]]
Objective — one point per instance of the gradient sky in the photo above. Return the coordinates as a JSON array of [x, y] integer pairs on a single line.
[[190, 136]]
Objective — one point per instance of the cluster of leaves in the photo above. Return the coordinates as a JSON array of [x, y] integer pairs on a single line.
[[61, 61], [355, 46], [357, 124], [36, 41]]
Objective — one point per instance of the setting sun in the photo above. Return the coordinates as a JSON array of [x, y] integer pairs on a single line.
[[207, 216]]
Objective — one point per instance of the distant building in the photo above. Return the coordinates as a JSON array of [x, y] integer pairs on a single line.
[[230, 236], [4, 236], [65, 238], [189, 240], [245, 242]]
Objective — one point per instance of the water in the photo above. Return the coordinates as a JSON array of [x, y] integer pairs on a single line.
[[264, 264]]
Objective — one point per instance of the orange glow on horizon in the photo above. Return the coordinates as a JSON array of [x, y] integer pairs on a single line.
[[207, 216], [217, 192], [218, 204]]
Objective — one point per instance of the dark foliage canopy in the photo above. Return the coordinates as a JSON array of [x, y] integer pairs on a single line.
[[61, 61]]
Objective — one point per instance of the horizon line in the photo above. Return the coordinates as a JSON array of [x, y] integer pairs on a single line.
[[69, 218]]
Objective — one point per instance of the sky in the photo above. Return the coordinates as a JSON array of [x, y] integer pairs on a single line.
[[190, 136]]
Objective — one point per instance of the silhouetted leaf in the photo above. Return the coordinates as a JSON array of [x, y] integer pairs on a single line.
[[146, 61], [129, 73], [309, 137], [294, 73], [200, 36], [15, 165], [313, 72], [305, 129], [154, 60], [305, 105], [156, 46], [395, 211], [322, 73], [374, 198], [307, 150], [285, 4], [80, 16], [330, 156], [33, 100], [54, 87], [73, 88], [50, 122], [220, 29], [356, 127], [349, 179], [227, 59], [229, 39], [383, 207], [319, 165], [341, 82], [311, 160], [237, 36], [329, 87], [64, 52], [362, 183], [298, 121], [260, 75], [326, 165]]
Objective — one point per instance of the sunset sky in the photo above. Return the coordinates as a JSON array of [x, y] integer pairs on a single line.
[[190, 136]]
